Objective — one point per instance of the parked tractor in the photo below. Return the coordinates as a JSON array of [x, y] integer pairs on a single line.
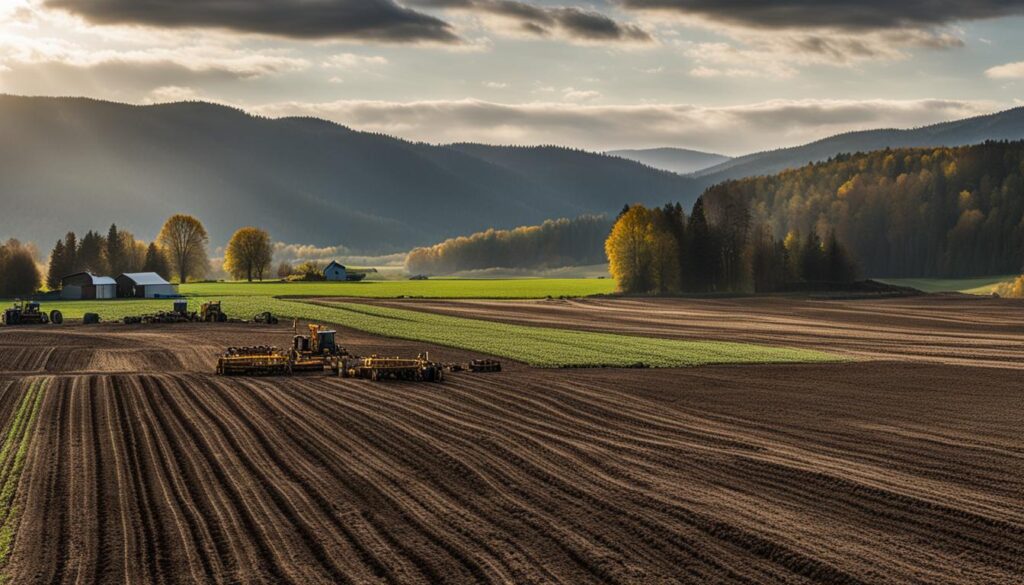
[[30, 313], [211, 312], [317, 351]]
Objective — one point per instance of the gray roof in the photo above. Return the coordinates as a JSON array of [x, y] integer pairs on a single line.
[[95, 280], [145, 278]]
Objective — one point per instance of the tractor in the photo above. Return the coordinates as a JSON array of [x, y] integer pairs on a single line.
[[211, 312], [317, 351], [29, 313]]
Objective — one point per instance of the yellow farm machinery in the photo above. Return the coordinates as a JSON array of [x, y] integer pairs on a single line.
[[319, 352]]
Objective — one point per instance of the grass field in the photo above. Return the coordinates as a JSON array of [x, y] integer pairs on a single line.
[[537, 346], [513, 288], [973, 286]]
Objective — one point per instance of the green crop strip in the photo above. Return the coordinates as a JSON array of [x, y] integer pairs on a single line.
[[538, 346], [12, 459]]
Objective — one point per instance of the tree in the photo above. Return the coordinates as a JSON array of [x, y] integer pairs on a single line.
[[156, 261], [184, 239], [71, 264], [248, 254], [116, 251], [284, 270], [704, 260], [19, 274], [629, 250], [58, 266], [92, 253], [812, 259]]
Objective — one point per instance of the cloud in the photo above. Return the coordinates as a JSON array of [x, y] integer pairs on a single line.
[[353, 61], [298, 253], [1008, 71], [377, 20], [847, 15], [733, 129], [571, 22]]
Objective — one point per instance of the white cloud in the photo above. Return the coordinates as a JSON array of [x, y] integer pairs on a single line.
[[730, 129], [353, 61], [1008, 71], [171, 93], [495, 85], [571, 94]]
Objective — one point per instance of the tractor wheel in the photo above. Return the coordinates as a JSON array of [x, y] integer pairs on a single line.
[[222, 318], [57, 318], [43, 318]]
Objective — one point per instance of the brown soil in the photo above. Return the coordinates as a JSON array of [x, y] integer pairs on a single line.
[[950, 329], [144, 468]]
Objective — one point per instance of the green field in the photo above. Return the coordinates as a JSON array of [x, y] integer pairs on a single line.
[[537, 346], [513, 288], [973, 286]]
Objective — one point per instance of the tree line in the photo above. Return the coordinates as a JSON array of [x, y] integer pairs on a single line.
[[178, 253], [553, 244], [915, 212], [718, 248]]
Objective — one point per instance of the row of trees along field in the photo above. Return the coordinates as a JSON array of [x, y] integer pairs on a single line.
[[925, 212], [553, 244], [717, 248], [179, 252]]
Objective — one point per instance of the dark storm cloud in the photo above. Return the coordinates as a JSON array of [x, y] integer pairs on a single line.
[[575, 22], [382, 20], [842, 14]]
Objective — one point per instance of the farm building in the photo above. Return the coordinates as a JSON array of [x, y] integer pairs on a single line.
[[335, 271], [145, 285], [86, 285]]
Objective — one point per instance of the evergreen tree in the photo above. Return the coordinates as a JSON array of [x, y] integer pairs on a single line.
[[71, 264], [703, 256], [116, 251], [156, 261], [58, 268], [92, 254]]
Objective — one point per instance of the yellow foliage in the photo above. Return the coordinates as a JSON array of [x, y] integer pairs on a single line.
[[1013, 289], [629, 250], [248, 254]]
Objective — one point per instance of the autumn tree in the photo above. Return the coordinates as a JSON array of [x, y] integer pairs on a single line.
[[284, 269], [249, 254], [184, 240], [19, 274], [629, 250]]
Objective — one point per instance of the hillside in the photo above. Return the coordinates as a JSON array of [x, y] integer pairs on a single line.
[[69, 163], [927, 212], [1006, 125], [676, 160]]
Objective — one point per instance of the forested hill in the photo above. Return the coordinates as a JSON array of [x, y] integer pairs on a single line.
[[677, 160], [1007, 125], [928, 212], [68, 163]]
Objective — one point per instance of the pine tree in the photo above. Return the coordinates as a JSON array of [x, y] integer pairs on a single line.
[[156, 261], [71, 264], [58, 266], [115, 250]]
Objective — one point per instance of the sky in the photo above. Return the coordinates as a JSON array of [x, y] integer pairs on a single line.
[[726, 76]]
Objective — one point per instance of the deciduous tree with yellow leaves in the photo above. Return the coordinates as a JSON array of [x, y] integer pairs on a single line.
[[249, 254]]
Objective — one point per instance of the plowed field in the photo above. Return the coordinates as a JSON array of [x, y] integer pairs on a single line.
[[138, 466]]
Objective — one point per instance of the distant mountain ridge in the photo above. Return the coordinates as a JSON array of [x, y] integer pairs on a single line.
[[1005, 125], [78, 164], [677, 160]]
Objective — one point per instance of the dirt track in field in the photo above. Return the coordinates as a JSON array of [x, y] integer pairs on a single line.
[[143, 468], [950, 329]]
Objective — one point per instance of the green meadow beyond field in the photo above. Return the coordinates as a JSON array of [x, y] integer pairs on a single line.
[[538, 346]]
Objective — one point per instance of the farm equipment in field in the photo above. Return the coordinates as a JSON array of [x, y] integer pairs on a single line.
[[377, 368], [255, 361], [317, 351], [265, 318], [30, 313], [210, 312]]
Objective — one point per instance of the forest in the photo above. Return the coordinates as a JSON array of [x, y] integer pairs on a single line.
[[718, 249], [553, 244], [921, 212]]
